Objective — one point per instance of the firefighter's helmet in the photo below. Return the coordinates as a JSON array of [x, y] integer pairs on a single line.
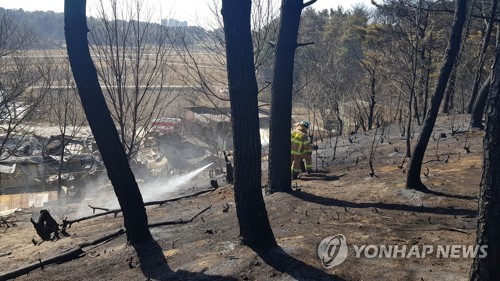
[[304, 124]]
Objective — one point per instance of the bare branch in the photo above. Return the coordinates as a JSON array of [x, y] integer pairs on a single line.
[[180, 221], [309, 3]]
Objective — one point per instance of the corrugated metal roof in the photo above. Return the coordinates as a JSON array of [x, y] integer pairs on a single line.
[[7, 169]]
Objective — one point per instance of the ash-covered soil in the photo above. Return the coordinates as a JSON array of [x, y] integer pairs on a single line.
[[366, 210]]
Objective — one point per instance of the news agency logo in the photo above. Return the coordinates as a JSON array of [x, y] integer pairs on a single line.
[[333, 251]]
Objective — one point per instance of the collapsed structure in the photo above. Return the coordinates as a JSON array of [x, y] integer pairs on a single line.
[[42, 169]]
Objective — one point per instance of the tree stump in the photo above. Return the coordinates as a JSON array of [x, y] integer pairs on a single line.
[[45, 226]]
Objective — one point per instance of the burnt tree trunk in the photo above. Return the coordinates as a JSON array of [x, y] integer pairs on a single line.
[[450, 93], [450, 90], [428, 78], [280, 178], [488, 224], [424, 68], [482, 55], [413, 180], [413, 94], [415, 109], [101, 124], [251, 211], [371, 105], [408, 127], [476, 120]]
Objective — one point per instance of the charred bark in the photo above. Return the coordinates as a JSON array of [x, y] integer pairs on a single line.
[[450, 90], [251, 211], [101, 124], [413, 180], [482, 55], [371, 105], [476, 120], [487, 268], [45, 226], [280, 178]]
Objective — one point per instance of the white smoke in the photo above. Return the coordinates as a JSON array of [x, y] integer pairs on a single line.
[[160, 189]]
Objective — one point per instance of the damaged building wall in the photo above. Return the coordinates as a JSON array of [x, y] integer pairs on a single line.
[[26, 200]]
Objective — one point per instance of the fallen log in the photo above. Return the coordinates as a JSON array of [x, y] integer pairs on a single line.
[[67, 223], [106, 238], [78, 251], [466, 231], [179, 221], [98, 208], [65, 256], [455, 229], [72, 254], [161, 202]]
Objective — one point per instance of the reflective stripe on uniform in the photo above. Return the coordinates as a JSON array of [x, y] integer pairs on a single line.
[[307, 146], [297, 139]]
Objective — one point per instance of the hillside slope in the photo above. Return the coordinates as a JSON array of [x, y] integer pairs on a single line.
[[366, 210]]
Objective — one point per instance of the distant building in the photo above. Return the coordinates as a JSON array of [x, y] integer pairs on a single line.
[[214, 124], [173, 23]]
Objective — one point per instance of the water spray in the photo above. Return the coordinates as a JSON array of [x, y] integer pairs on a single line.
[[155, 190], [161, 187]]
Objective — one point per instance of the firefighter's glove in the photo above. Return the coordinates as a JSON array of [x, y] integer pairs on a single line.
[[315, 147]]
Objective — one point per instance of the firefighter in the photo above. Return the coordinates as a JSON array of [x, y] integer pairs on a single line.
[[301, 148]]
